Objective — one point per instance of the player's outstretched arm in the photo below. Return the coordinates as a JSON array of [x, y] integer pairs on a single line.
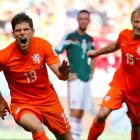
[[61, 70], [108, 49], [3, 107]]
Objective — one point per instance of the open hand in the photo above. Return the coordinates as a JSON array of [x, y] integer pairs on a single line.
[[64, 69]]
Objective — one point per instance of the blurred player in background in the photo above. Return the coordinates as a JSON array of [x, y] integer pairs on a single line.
[[125, 86], [33, 99], [77, 44]]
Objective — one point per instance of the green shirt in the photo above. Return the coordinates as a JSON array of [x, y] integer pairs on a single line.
[[77, 46]]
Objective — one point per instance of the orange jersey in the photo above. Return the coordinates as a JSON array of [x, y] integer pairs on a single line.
[[128, 74], [117, 81], [27, 75], [130, 49]]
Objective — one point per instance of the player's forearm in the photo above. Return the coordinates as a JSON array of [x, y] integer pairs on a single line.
[[92, 67], [60, 72], [1, 98], [108, 49]]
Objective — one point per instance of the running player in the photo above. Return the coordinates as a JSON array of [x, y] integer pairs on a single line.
[[125, 84]]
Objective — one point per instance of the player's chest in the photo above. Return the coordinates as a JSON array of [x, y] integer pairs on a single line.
[[131, 53], [19, 63]]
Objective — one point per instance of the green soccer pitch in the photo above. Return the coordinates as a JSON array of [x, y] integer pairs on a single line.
[[23, 135]]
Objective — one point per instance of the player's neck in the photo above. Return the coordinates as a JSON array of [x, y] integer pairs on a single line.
[[136, 36], [81, 32]]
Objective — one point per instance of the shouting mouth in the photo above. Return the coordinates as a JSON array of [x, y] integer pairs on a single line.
[[23, 40]]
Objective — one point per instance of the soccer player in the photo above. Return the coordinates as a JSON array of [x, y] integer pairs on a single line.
[[125, 86], [33, 99], [77, 44]]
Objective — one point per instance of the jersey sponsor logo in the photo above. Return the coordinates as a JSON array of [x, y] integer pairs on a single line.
[[36, 58]]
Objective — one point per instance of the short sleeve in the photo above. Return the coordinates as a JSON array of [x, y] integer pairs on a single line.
[[50, 56], [122, 35], [1, 60]]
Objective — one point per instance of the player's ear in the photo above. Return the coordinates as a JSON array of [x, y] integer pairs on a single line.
[[33, 31]]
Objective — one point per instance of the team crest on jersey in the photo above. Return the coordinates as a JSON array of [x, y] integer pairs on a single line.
[[36, 58], [138, 50]]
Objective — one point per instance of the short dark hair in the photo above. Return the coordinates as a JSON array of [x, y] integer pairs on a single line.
[[83, 11], [137, 10], [19, 18]]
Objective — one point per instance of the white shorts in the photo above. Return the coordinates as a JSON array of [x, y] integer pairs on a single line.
[[80, 95]]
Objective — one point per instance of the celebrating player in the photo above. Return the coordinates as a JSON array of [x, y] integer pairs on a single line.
[[33, 99], [125, 86]]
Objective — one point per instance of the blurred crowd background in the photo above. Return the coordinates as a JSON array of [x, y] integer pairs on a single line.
[[54, 18]]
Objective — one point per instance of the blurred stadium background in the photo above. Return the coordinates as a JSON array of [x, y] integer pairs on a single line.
[[54, 18]]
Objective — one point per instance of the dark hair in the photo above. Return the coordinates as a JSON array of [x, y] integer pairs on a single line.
[[137, 10], [83, 11], [19, 18]]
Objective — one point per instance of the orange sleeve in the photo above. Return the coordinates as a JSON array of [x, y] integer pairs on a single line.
[[50, 56], [125, 35], [1, 61], [119, 38]]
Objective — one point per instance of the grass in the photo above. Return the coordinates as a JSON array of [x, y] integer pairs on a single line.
[[22, 135]]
